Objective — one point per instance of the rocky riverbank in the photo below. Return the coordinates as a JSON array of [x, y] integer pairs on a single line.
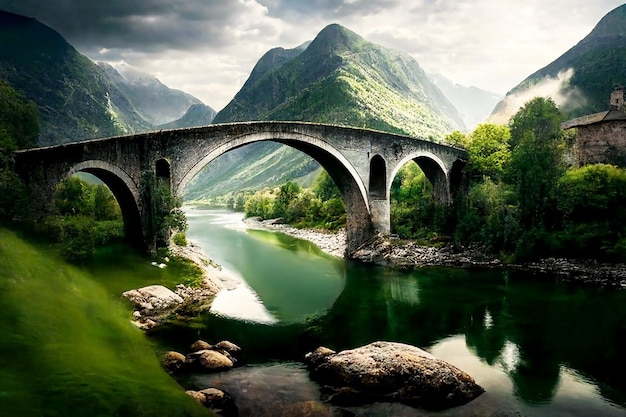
[[155, 304], [408, 254]]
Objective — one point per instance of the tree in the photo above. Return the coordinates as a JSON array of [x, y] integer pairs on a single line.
[[325, 188], [536, 161], [287, 193], [458, 139], [19, 128], [488, 151]]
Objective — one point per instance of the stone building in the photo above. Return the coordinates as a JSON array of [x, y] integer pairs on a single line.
[[601, 137]]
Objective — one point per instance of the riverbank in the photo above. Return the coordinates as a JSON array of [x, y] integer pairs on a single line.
[[408, 254], [332, 243]]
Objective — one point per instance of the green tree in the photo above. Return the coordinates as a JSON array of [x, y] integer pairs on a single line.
[[325, 188], [592, 200], [536, 163], [19, 128], [74, 196], [19, 120], [457, 138], [488, 151], [287, 193]]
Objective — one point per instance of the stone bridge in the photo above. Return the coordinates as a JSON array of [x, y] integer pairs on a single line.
[[362, 163]]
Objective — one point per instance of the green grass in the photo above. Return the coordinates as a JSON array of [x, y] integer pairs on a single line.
[[67, 348]]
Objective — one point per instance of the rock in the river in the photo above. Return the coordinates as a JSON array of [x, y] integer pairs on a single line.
[[154, 298], [217, 400], [200, 345], [174, 361], [211, 360], [388, 371], [229, 347]]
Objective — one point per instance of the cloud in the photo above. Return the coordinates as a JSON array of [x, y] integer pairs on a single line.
[[547, 87], [210, 46]]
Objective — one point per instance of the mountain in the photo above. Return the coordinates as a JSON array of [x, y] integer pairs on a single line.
[[79, 99], [473, 103], [338, 78], [197, 115], [579, 81], [76, 99], [154, 101]]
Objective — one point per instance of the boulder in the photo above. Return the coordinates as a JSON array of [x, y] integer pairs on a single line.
[[388, 371], [174, 361], [211, 360], [153, 297], [200, 345], [229, 347], [217, 400]]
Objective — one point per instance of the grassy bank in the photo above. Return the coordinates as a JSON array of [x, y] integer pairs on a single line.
[[67, 348]]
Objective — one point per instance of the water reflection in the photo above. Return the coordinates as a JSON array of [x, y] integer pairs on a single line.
[[546, 348], [546, 339]]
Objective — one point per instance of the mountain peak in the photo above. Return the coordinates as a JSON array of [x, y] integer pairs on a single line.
[[612, 24], [336, 39]]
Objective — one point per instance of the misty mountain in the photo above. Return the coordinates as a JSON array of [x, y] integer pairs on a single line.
[[579, 81], [338, 78], [197, 115], [473, 103], [154, 101]]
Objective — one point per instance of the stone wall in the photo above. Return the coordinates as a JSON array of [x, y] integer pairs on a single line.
[[602, 143]]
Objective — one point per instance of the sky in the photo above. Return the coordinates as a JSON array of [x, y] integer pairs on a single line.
[[209, 47]]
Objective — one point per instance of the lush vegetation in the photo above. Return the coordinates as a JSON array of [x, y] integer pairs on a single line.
[[522, 200], [19, 127], [86, 216], [319, 207]]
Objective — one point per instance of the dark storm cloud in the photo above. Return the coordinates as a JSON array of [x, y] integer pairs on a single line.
[[146, 24]]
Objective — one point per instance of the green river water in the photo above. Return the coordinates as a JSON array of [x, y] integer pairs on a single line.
[[537, 346]]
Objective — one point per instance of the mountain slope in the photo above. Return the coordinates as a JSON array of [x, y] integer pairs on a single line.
[[76, 100], [581, 79], [197, 115], [338, 78], [154, 101]]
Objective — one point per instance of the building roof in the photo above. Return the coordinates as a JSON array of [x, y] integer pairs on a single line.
[[591, 119]]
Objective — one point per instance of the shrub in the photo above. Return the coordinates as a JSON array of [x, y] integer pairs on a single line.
[[180, 239]]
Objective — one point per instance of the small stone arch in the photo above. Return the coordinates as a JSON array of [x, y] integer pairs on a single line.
[[435, 171], [125, 191], [378, 178]]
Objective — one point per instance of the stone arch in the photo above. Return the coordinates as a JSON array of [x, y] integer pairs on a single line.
[[124, 189], [435, 171], [378, 178], [358, 227]]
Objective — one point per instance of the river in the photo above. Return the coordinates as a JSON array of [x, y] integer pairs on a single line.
[[538, 347]]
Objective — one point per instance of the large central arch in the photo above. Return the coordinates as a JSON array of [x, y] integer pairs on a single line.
[[343, 173]]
